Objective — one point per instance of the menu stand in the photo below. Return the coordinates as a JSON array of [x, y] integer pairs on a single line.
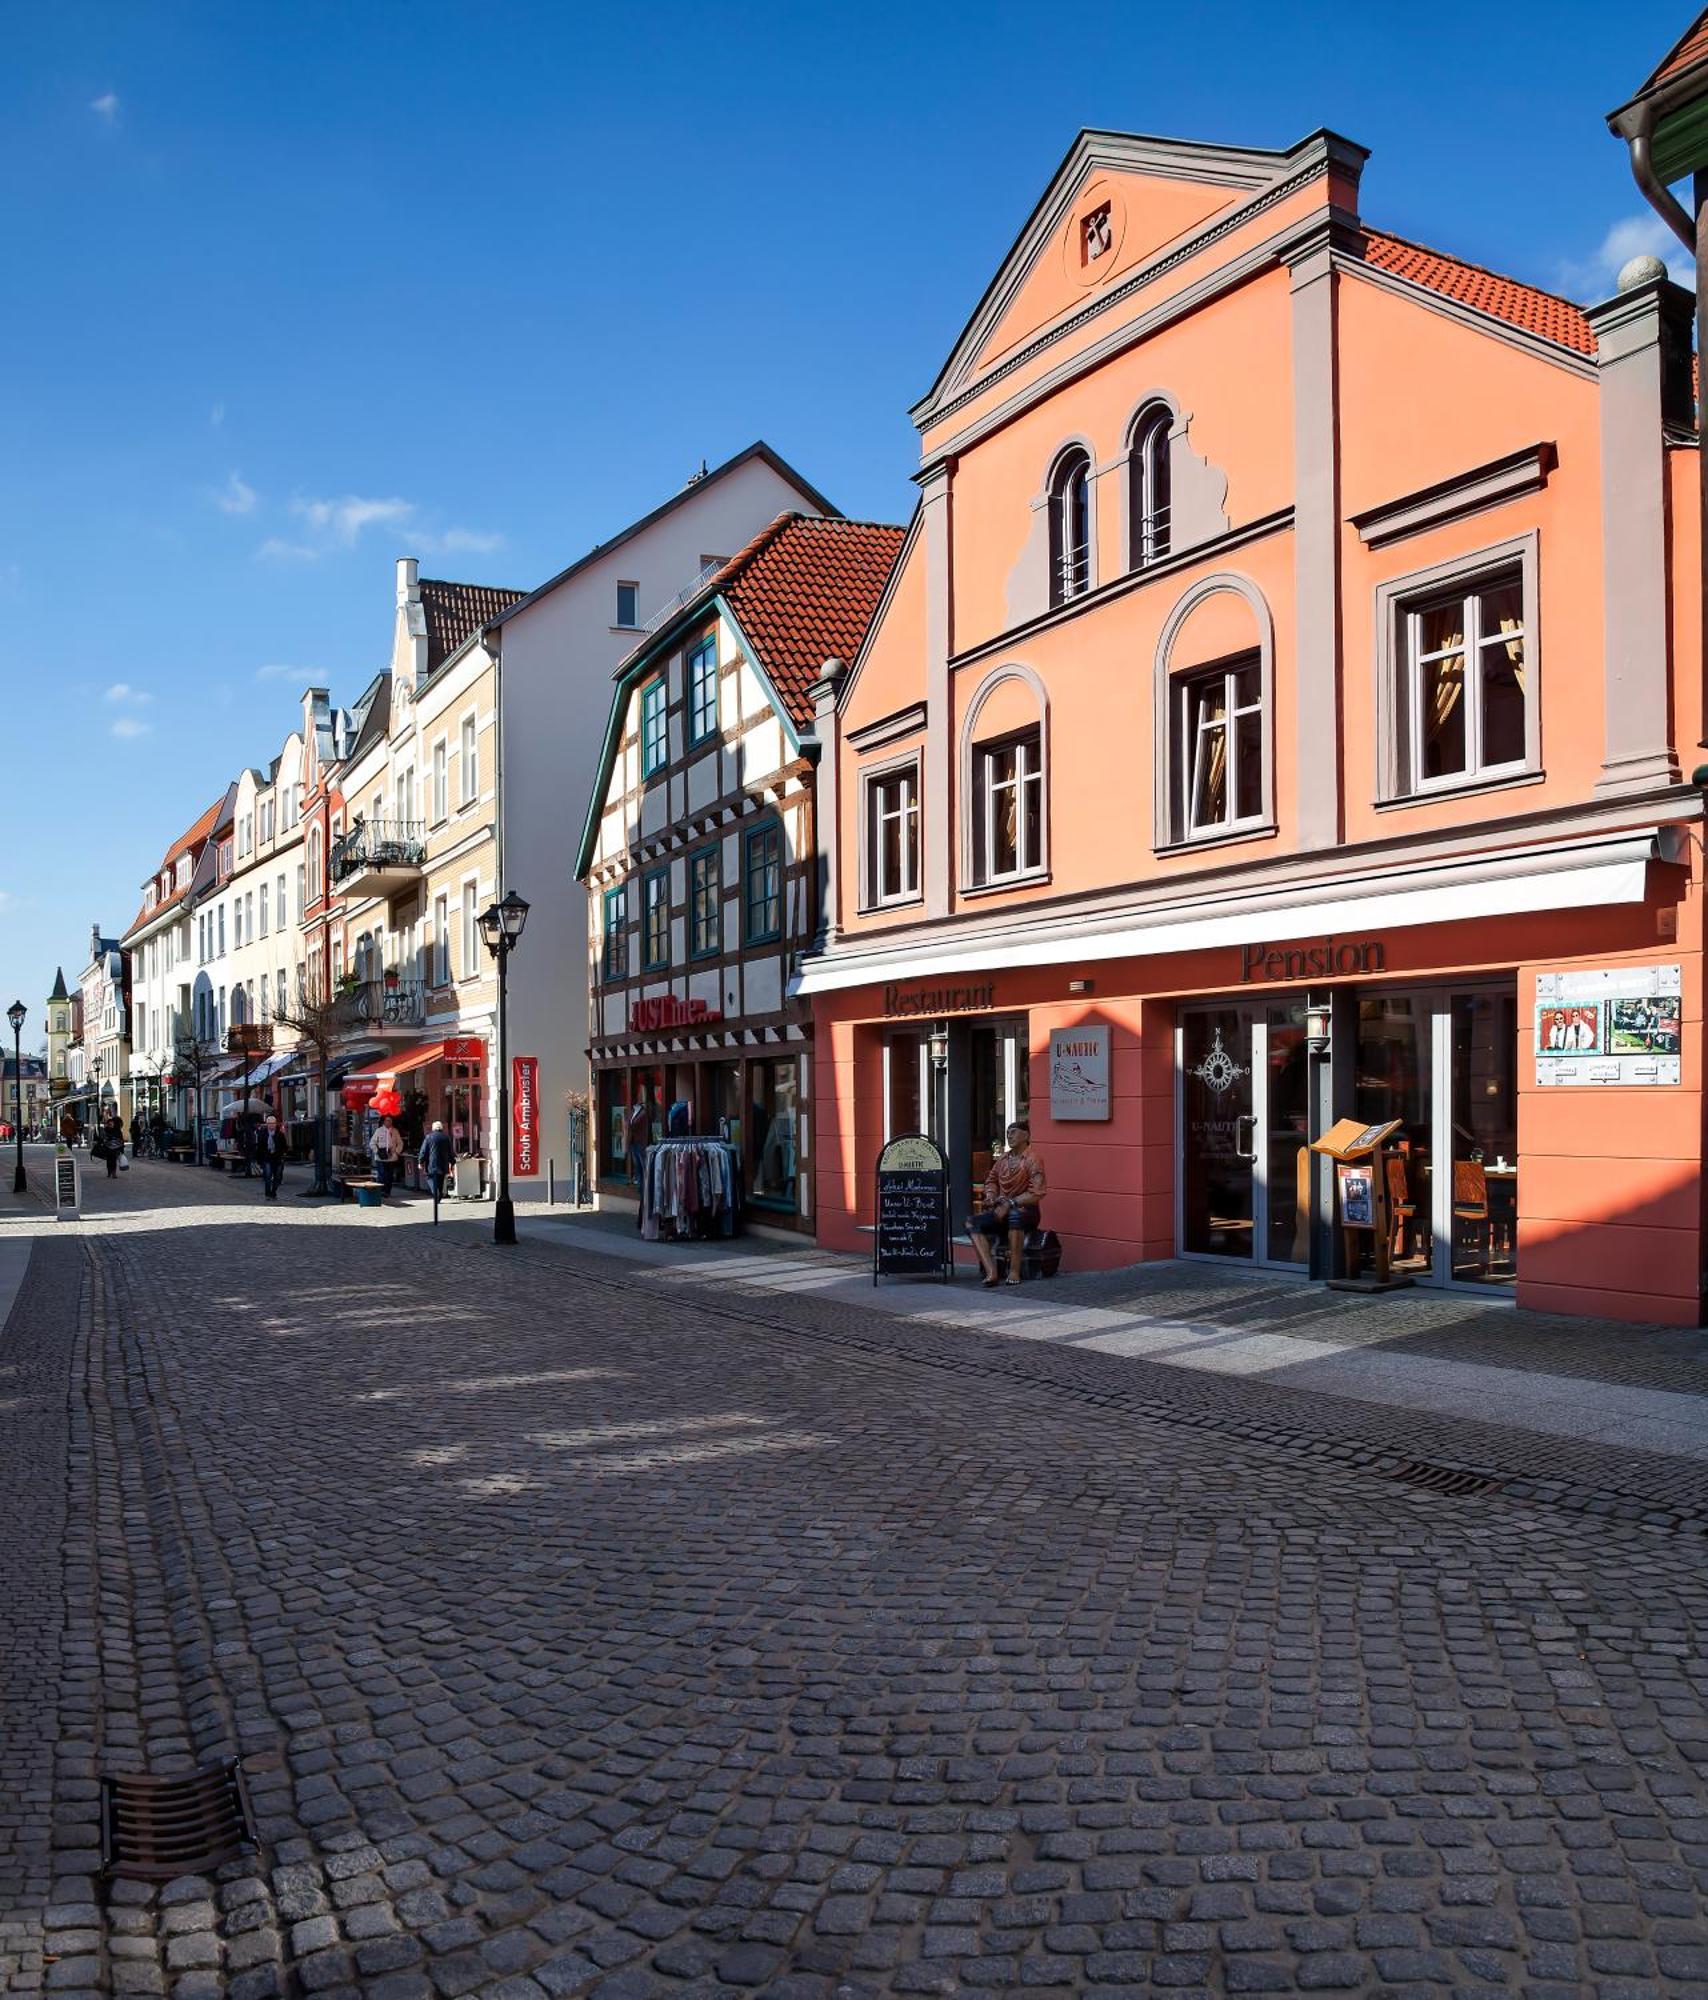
[[1359, 1153]]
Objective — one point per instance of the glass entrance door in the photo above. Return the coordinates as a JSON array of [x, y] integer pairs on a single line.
[[1243, 1105]]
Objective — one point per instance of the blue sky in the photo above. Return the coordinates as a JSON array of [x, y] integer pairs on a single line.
[[297, 290]]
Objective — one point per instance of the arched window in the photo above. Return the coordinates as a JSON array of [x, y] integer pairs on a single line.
[[1004, 780], [1147, 485], [239, 1013], [1070, 527]]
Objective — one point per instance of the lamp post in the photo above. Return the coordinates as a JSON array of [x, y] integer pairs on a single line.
[[97, 1069], [501, 931], [15, 1014]]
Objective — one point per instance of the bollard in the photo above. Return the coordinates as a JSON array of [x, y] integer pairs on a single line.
[[551, 1183]]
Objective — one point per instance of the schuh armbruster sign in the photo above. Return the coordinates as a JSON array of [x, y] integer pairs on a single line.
[[524, 1114]]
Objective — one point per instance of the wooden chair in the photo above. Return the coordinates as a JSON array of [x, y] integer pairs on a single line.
[[1402, 1210], [1471, 1208]]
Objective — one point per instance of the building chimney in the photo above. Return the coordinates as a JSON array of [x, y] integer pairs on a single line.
[[409, 645]]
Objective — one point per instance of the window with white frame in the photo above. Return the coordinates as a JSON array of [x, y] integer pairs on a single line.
[[264, 910], [279, 987], [703, 688], [654, 727], [302, 890], [1070, 527], [471, 930], [1008, 803], [892, 835], [237, 923], [628, 605], [441, 787], [1218, 740], [470, 762], [1148, 499], [441, 941], [1463, 713], [280, 907]]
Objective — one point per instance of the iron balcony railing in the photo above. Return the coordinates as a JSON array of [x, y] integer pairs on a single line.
[[379, 1003], [378, 843]]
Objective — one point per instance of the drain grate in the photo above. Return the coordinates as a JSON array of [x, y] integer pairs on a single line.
[[154, 1829], [1448, 1480]]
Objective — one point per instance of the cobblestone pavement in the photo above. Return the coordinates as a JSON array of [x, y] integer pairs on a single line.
[[586, 1635]]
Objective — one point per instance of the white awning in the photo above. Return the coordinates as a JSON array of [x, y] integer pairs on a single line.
[[1569, 875]]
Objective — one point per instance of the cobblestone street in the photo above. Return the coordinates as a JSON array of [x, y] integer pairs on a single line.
[[587, 1633]]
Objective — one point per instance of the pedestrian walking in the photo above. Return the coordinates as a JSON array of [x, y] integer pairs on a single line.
[[271, 1146], [136, 1135], [387, 1150], [435, 1162], [111, 1140]]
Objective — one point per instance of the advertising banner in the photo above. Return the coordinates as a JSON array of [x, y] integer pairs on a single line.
[[1614, 1024], [1079, 1073], [524, 1115]]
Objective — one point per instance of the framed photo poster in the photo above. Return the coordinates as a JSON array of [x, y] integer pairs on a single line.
[[1609, 1025]]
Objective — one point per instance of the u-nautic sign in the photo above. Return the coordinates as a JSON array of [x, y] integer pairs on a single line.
[[1311, 961]]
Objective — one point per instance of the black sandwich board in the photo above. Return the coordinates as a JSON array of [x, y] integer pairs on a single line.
[[911, 1237]]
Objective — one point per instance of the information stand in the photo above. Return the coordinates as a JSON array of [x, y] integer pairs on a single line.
[[67, 1187], [1359, 1153], [911, 1238]]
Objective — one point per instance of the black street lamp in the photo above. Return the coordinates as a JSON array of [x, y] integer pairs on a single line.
[[97, 1069], [501, 931], [15, 1014]]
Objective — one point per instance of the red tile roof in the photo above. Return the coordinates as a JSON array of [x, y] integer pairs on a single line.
[[456, 611], [1691, 47], [186, 843], [803, 591], [1520, 305]]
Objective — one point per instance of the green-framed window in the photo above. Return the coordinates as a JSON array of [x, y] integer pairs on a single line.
[[762, 879], [655, 918], [705, 903], [703, 688], [655, 728], [616, 935]]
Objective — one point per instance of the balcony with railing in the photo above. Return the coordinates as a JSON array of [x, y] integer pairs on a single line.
[[379, 857], [379, 1004]]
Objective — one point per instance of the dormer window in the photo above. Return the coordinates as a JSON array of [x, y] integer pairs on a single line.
[[1070, 527], [1148, 486]]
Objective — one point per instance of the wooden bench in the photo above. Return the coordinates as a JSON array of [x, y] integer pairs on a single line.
[[180, 1152], [363, 1188]]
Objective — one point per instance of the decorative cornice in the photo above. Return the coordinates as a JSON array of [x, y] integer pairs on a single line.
[[904, 722], [1490, 485]]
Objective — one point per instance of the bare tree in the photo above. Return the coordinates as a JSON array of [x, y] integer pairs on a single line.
[[320, 1021], [195, 1057]]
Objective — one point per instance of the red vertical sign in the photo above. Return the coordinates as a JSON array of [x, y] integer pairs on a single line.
[[524, 1114]]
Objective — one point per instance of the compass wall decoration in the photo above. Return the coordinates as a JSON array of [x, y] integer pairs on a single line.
[[1218, 1071]]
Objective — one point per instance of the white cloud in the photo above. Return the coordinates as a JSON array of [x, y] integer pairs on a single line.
[[277, 549], [130, 725], [237, 496], [332, 525], [281, 670], [461, 541], [1640, 235], [122, 691], [343, 520], [106, 106]]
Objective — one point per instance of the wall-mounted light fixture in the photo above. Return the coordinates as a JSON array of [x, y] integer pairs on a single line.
[[937, 1044], [1082, 986], [1319, 1025]]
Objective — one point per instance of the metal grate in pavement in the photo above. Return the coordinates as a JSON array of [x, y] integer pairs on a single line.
[[154, 1829], [1452, 1482]]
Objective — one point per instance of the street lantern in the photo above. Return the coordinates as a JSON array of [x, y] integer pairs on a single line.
[[501, 931], [15, 1014], [97, 1069]]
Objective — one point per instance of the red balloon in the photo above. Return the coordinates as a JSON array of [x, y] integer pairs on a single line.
[[386, 1103]]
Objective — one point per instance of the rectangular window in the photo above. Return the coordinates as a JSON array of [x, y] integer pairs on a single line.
[[892, 836], [1219, 738], [441, 941], [616, 935], [471, 931], [237, 923], [1463, 716], [302, 887], [222, 930], [762, 877], [264, 923], [773, 1131], [280, 1007], [470, 762], [705, 902], [441, 788], [628, 605], [1009, 789], [655, 919], [655, 728], [703, 689]]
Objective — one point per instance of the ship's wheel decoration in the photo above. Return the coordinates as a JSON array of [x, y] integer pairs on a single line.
[[1218, 1071]]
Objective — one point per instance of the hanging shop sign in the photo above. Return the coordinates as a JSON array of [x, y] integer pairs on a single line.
[[464, 1048], [939, 999], [249, 1038], [1616, 1024], [1325, 959], [524, 1114], [910, 1238], [648, 1017], [1079, 1073]]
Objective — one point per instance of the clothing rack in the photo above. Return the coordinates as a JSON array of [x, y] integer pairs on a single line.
[[690, 1188]]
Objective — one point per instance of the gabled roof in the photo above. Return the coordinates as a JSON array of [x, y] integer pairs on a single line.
[[186, 843], [456, 611], [1690, 49], [374, 708], [698, 484], [1520, 305], [802, 591]]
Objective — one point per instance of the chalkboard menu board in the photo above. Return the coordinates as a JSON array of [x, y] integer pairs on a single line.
[[65, 1188], [911, 1239]]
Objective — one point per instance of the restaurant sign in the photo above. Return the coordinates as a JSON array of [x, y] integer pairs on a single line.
[[647, 1017], [524, 1114], [1609, 1025], [1322, 960], [939, 999]]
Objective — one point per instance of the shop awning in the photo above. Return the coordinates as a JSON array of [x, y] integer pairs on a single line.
[[1567, 874], [383, 1076]]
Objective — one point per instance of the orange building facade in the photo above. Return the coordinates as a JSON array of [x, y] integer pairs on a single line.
[[1282, 710]]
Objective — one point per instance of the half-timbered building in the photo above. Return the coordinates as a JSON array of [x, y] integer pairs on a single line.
[[700, 856]]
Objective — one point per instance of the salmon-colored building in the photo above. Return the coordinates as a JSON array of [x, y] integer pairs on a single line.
[[1282, 710]]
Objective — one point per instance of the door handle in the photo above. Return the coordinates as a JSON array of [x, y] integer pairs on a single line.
[[1247, 1151]]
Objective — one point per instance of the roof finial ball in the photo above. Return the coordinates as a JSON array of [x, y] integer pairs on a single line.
[[831, 672], [1643, 270]]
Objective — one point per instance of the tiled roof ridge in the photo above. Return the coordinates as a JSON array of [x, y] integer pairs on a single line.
[[1515, 300], [1690, 49], [454, 583]]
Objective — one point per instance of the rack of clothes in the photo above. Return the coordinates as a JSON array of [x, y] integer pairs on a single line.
[[690, 1188]]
